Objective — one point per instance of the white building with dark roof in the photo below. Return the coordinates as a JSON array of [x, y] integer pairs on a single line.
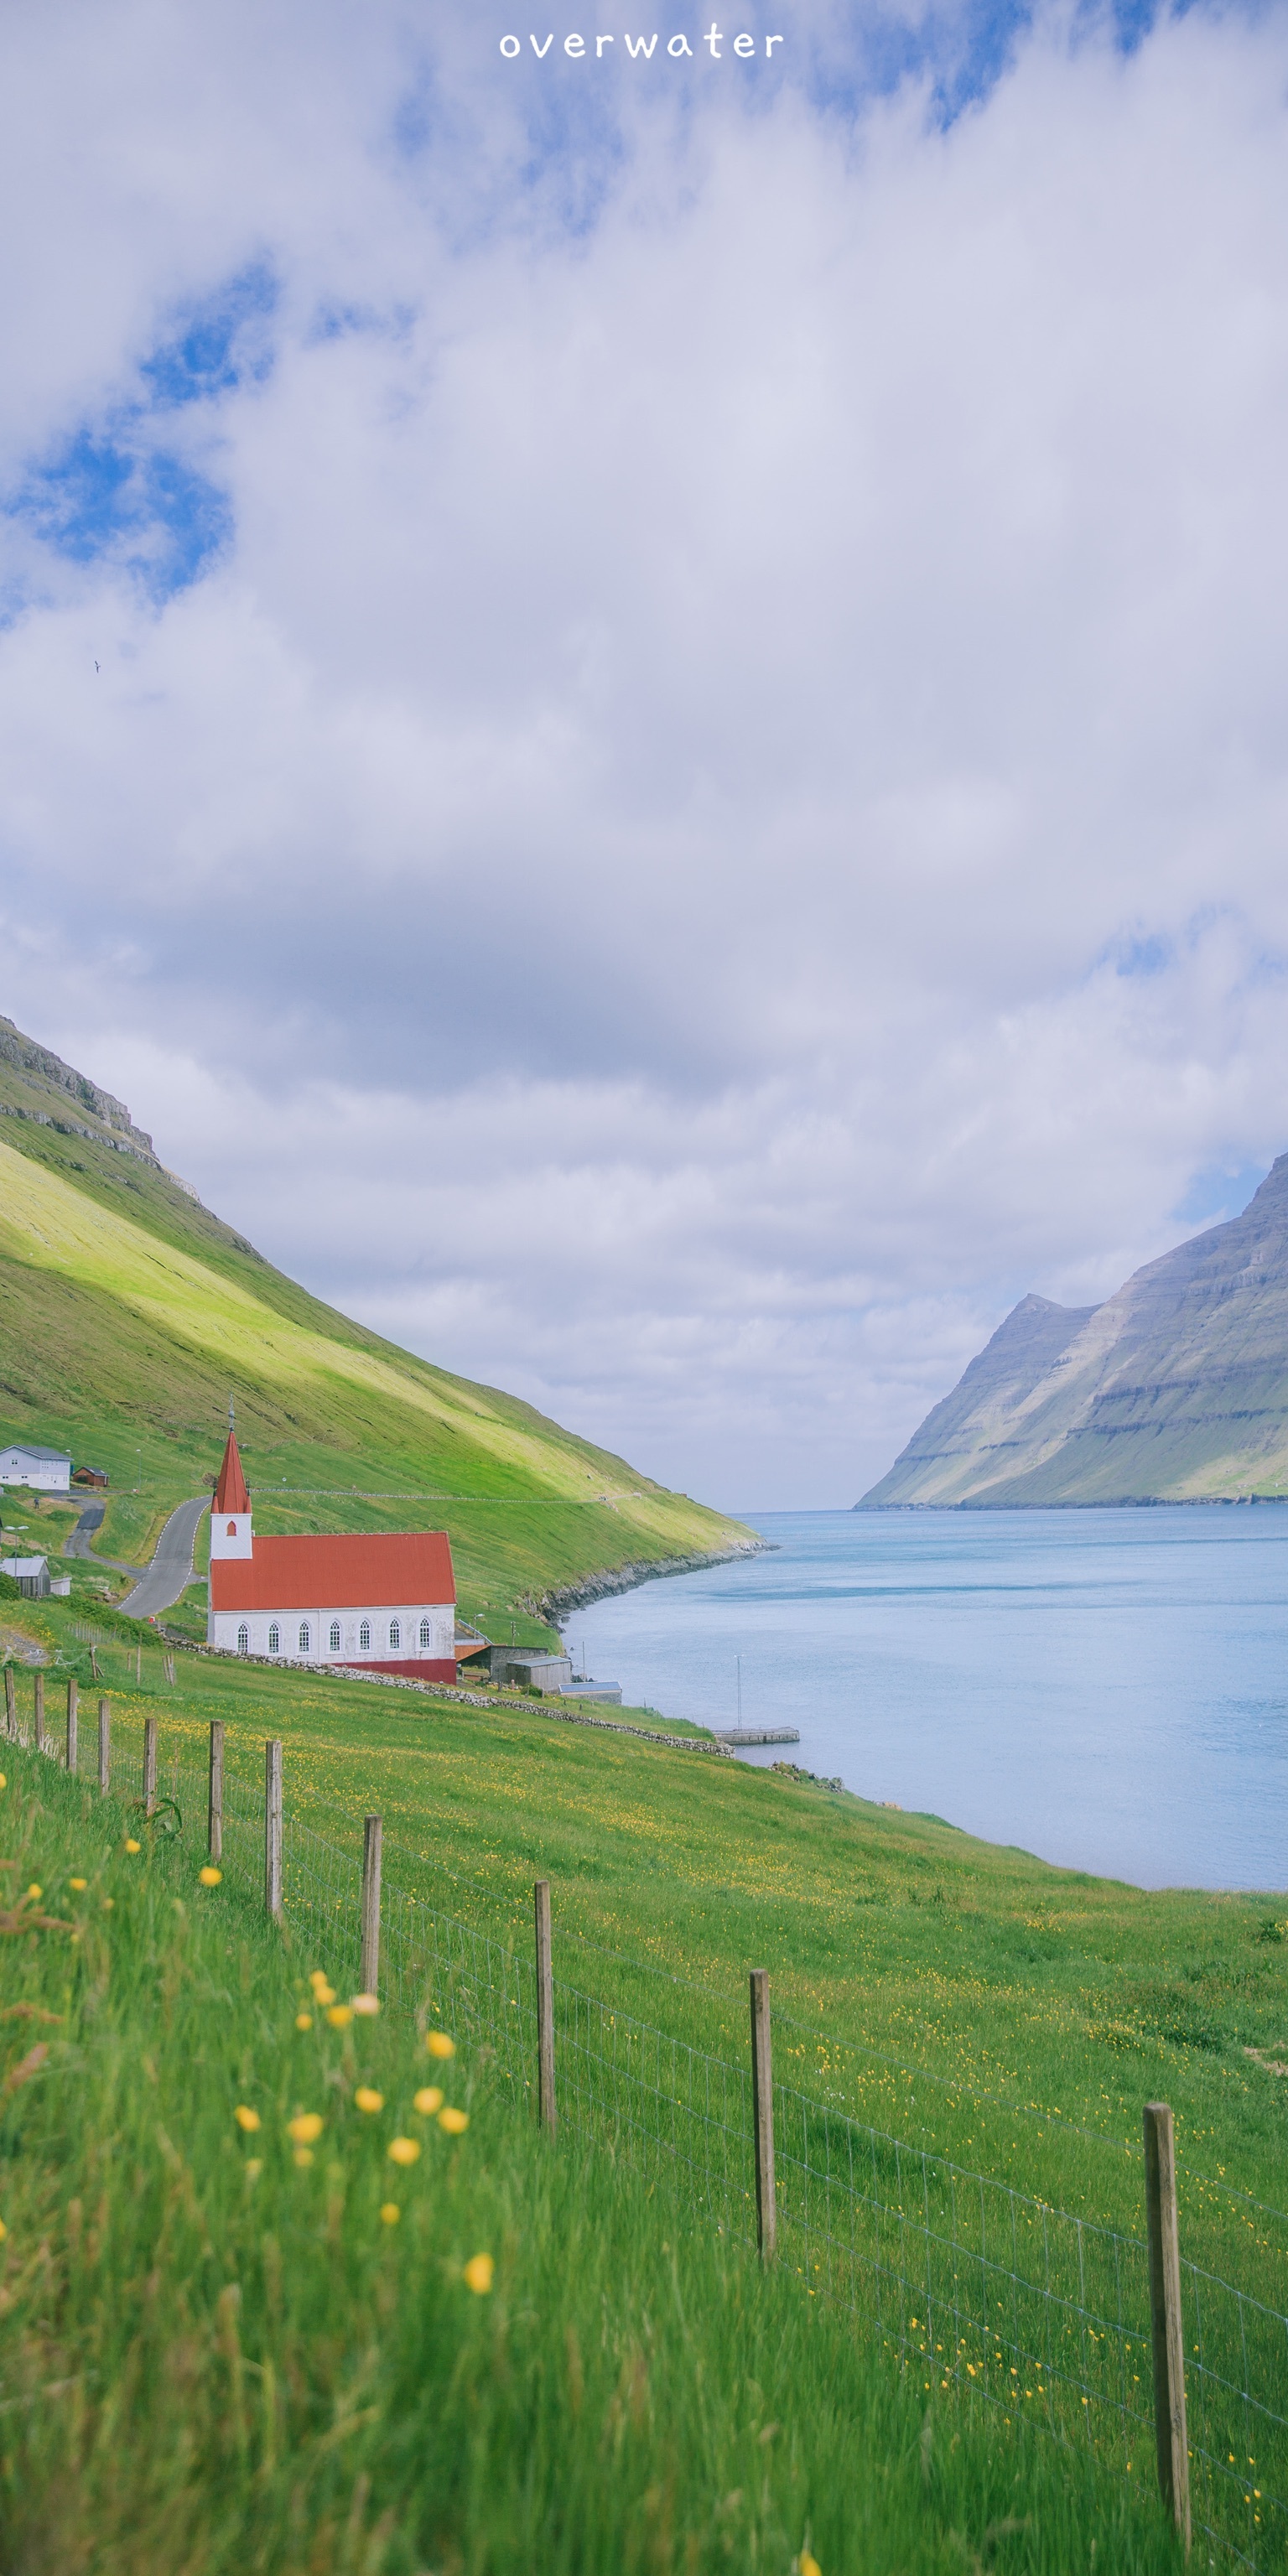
[[43, 1471]]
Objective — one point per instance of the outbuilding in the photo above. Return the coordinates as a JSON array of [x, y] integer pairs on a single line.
[[30, 1573]]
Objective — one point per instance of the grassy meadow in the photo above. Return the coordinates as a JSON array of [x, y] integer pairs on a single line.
[[262, 2309], [964, 1997]]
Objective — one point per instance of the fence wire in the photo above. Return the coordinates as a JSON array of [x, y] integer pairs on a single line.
[[973, 2285]]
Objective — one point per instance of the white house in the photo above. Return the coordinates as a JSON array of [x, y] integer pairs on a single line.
[[43, 1471], [386, 1602]]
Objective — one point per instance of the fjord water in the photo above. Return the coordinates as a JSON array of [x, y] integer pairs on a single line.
[[1108, 1689]]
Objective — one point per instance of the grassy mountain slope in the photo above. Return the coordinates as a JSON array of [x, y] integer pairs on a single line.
[[1175, 1390], [129, 1315]]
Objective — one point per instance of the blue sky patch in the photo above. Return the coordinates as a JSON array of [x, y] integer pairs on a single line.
[[216, 346], [112, 492], [1220, 1191], [149, 510]]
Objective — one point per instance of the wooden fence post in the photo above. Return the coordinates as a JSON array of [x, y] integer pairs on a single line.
[[104, 1746], [546, 2111], [215, 1809], [762, 2104], [1165, 2317], [93, 1663], [39, 1698], [10, 1709], [369, 1971], [169, 1669], [73, 1703], [273, 1829], [149, 1766]]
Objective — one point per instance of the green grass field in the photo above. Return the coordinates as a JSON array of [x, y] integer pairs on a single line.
[[224, 2347], [1043, 2005]]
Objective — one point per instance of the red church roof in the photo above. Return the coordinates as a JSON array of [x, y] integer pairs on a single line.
[[411, 1568], [230, 1492]]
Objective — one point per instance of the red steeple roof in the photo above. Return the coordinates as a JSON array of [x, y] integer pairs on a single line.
[[230, 1493]]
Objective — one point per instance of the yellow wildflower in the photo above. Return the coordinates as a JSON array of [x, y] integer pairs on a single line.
[[35, 1892], [304, 2021], [253, 2168], [403, 2151], [478, 2274], [305, 2127], [439, 2045], [246, 2118], [390, 2212], [131, 1845], [428, 2100], [368, 2099], [366, 2004], [80, 1885], [3, 1781], [453, 2121], [108, 1903], [304, 2155], [808, 2564], [323, 1993], [3, 2229], [210, 1876], [339, 2016]]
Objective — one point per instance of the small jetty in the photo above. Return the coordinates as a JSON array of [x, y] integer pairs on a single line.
[[756, 1734]]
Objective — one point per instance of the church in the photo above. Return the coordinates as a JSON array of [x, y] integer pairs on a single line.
[[383, 1603]]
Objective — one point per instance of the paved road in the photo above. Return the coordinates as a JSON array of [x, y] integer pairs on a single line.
[[171, 1569], [78, 1544]]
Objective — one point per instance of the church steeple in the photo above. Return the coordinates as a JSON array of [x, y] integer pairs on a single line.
[[230, 1529], [230, 1490]]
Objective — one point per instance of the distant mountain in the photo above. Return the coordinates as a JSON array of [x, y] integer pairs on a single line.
[[1175, 1390]]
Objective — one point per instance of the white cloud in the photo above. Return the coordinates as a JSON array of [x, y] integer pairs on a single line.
[[724, 813]]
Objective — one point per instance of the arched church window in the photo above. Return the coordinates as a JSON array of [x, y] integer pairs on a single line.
[[335, 1636], [395, 1633], [304, 1636], [364, 1635], [274, 1640], [426, 1633], [243, 1640], [231, 1530]]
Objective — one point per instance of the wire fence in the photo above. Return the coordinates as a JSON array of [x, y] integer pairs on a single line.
[[975, 2287]]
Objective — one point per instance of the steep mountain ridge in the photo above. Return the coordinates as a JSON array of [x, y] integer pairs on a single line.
[[1174, 1390], [129, 1315]]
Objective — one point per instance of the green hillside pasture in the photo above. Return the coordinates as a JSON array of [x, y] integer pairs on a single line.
[[137, 1315], [976, 2002], [223, 2350]]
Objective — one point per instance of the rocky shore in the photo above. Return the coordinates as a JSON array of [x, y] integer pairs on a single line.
[[560, 1604]]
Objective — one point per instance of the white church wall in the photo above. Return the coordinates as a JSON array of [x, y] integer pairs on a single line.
[[306, 1636]]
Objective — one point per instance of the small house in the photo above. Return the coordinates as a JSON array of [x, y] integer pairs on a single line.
[[42, 1471], [90, 1476]]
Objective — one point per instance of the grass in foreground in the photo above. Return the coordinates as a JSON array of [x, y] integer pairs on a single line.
[[1041, 2002], [217, 2354]]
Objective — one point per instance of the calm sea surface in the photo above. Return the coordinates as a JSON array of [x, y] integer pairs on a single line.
[[1109, 1689]]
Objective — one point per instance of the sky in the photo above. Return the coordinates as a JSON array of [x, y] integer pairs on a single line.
[[642, 697]]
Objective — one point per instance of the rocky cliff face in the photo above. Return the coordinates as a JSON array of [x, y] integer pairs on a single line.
[[35, 1083], [1175, 1390]]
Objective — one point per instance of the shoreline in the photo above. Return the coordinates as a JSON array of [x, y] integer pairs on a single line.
[[560, 1604]]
